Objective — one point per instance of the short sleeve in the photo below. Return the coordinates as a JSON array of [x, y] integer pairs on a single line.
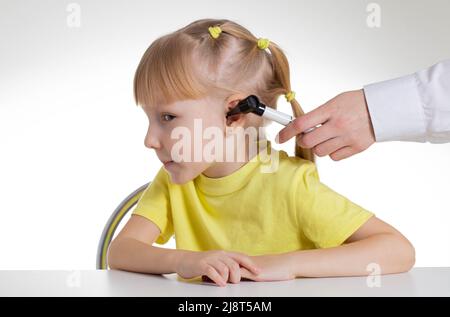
[[325, 217], [154, 204]]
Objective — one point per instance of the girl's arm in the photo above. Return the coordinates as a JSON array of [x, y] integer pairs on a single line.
[[374, 242], [132, 249]]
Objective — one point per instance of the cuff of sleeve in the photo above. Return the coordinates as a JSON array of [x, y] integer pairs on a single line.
[[164, 235], [350, 229], [396, 110]]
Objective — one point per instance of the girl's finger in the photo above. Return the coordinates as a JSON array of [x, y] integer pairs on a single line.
[[246, 274], [233, 269], [221, 268], [245, 261], [212, 274]]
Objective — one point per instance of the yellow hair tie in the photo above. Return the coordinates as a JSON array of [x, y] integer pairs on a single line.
[[263, 43], [290, 96], [215, 31]]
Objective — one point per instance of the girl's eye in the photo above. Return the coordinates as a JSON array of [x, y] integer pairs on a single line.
[[167, 117]]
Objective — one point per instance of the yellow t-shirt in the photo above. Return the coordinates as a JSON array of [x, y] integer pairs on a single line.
[[250, 211]]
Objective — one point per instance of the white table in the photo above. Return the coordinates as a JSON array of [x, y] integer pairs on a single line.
[[417, 282]]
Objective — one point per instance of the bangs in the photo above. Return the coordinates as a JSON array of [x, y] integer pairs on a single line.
[[166, 73]]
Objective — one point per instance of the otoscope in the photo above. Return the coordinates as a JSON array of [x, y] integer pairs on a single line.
[[253, 105]]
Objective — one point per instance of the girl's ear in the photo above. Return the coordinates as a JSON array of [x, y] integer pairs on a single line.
[[237, 119]]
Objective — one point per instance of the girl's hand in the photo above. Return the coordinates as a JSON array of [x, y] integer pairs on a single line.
[[219, 266], [273, 268]]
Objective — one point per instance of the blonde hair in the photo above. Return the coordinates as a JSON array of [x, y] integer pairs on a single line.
[[190, 63]]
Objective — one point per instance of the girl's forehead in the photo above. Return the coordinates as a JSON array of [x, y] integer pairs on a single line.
[[175, 105]]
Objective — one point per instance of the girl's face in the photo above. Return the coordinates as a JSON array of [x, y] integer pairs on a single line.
[[177, 133]]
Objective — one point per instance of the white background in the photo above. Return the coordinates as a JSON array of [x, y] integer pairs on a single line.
[[72, 139]]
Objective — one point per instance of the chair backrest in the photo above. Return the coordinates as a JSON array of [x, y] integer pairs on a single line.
[[113, 223]]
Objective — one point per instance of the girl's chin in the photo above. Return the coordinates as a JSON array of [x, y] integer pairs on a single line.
[[183, 172], [178, 178]]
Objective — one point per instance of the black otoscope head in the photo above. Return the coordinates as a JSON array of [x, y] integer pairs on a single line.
[[249, 104]]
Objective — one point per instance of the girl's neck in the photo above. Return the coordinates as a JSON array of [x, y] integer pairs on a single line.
[[221, 169]]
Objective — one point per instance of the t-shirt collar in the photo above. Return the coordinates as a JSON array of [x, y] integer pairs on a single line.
[[234, 181]]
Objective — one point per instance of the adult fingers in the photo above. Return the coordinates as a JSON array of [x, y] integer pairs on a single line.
[[343, 153], [317, 136], [304, 123], [330, 146]]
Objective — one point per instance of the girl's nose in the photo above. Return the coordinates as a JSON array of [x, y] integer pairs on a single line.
[[151, 140]]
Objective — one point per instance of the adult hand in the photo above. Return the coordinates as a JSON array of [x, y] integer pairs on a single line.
[[346, 128]]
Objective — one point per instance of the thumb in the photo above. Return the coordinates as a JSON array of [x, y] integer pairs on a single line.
[[304, 123]]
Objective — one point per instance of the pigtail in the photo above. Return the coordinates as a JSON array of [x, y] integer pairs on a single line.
[[282, 75]]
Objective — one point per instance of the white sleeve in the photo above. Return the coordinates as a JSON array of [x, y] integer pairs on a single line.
[[412, 108]]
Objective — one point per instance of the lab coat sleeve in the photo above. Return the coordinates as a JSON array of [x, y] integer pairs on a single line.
[[415, 107]]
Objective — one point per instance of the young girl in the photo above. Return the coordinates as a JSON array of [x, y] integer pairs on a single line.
[[231, 218]]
